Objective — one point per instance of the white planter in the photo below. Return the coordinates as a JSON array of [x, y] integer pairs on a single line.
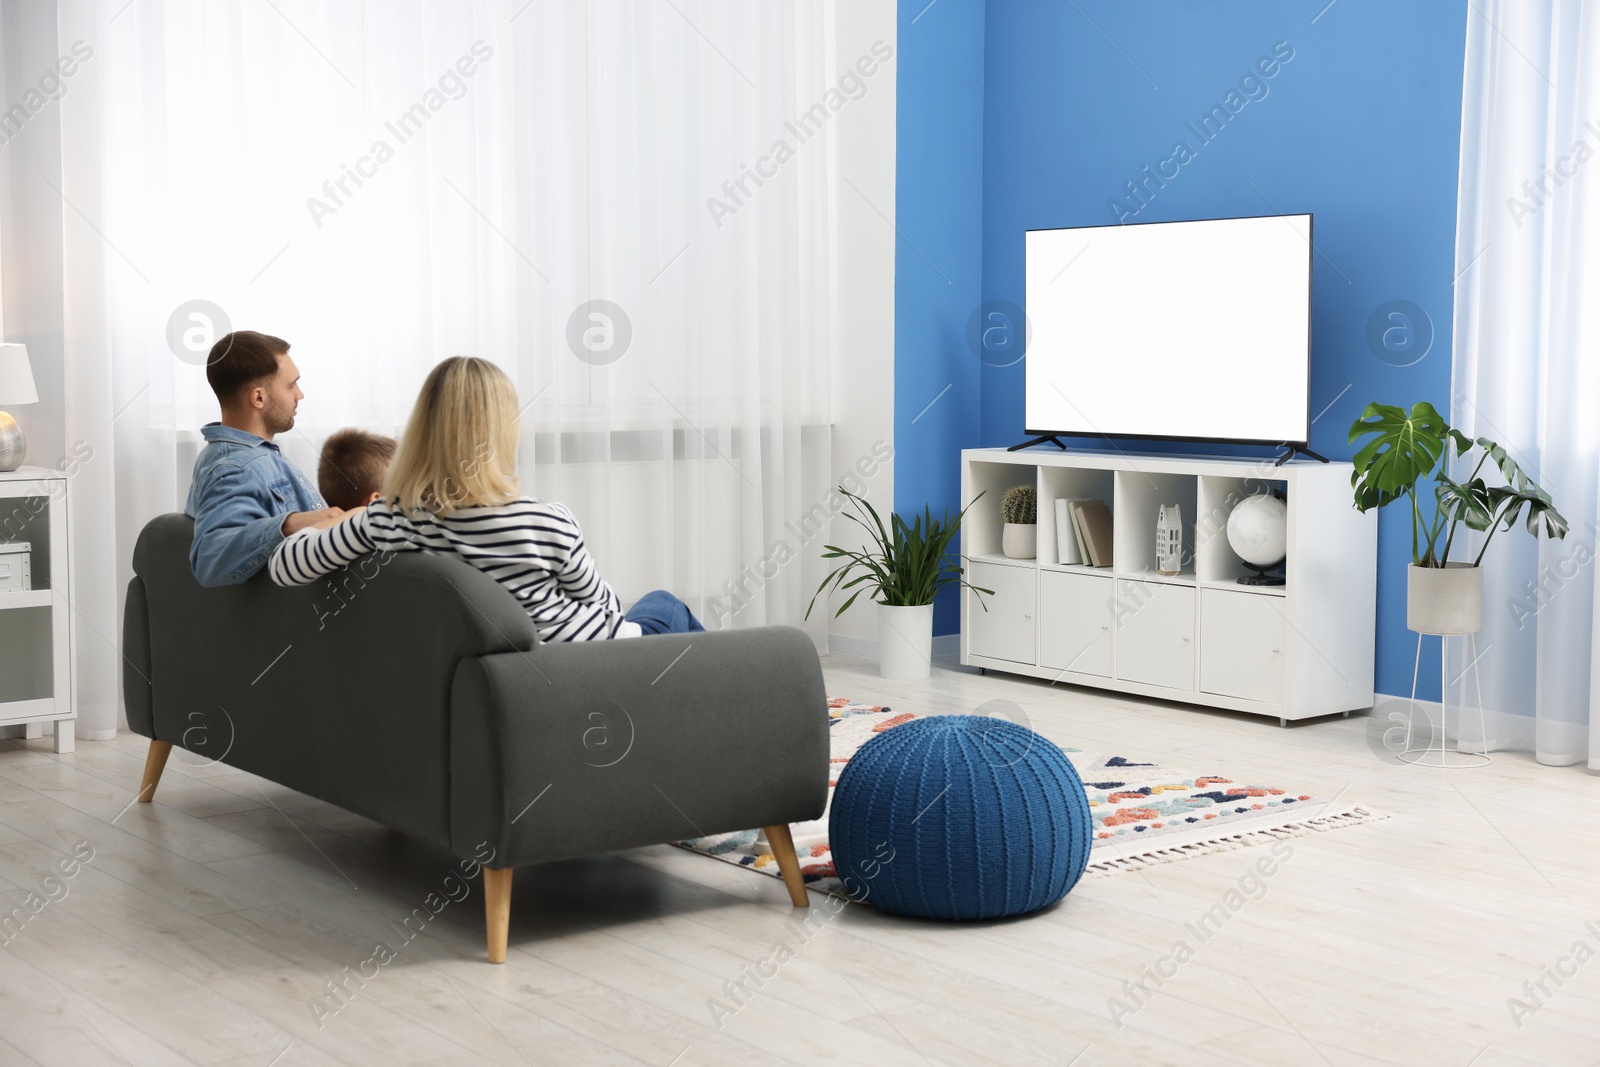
[[1444, 600], [1020, 540], [905, 641]]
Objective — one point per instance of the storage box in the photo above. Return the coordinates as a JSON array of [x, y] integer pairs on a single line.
[[16, 574]]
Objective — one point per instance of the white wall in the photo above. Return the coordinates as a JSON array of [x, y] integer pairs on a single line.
[[30, 235], [865, 158], [30, 224]]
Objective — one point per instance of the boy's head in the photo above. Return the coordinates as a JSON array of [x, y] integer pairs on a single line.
[[350, 473]]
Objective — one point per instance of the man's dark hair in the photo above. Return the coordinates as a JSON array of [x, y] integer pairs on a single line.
[[352, 467], [242, 360]]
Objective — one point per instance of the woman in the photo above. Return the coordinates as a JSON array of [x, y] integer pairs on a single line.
[[453, 488]]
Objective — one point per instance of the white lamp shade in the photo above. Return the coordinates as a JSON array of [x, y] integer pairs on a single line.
[[16, 376]]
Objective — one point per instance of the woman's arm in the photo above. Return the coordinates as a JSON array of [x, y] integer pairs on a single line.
[[306, 556], [580, 579]]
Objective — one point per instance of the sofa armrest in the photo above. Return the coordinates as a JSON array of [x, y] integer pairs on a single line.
[[339, 690], [594, 746], [138, 698]]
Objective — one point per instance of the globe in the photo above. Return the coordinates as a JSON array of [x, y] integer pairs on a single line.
[[1258, 530]]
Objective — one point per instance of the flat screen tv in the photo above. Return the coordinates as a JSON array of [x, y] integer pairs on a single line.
[[1171, 330]]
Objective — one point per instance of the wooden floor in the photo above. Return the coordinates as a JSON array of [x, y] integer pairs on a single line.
[[206, 925]]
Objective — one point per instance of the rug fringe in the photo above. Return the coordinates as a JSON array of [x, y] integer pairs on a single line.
[[1231, 842]]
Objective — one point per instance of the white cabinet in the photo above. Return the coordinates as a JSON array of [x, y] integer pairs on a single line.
[[1075, 618], [1155, 634], [1293, 651], [1007, 630], [1249, 663], [35, 624]]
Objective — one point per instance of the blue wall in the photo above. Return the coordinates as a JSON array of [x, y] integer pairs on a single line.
[[1361, 126], [938, 257]]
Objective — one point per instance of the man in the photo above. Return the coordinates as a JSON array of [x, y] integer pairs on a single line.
[[246, 497]]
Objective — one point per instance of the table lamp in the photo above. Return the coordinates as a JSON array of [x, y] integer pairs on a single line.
[[16, 387]]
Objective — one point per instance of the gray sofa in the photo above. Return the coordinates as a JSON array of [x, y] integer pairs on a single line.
[[411, 689]]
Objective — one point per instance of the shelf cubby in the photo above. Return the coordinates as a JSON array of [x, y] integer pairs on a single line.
[[26, 638], [981, 528], [26, 520], [1215, 559], [1140, 496], [1071, 482]]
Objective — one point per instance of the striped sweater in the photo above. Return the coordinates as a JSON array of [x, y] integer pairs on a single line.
[[533, 548]]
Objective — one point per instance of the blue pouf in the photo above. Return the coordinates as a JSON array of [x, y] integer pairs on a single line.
[[959, 817]]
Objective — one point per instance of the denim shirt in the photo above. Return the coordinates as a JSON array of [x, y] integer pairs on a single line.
[[243, 487]]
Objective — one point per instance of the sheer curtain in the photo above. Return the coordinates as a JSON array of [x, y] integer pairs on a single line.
[[591, 194], [1527, 354]]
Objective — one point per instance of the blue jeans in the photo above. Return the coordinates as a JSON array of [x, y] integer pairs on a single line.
[[659, 612]]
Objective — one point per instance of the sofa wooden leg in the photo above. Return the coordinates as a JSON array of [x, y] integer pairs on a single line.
[[497, 910], [154, 763], [783, 851]]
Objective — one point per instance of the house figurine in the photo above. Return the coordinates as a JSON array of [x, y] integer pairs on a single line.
[[1169, 540]]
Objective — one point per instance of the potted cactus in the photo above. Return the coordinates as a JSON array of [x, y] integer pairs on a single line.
[[1020, 506]]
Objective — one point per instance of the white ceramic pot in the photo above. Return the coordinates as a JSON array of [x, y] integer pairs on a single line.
[[1444, 600], [905, 641], [1020, 540]]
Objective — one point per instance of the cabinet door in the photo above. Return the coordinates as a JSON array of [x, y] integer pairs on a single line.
[[1154, 629], [1241, 645], [1075, 615], [1008, 629]]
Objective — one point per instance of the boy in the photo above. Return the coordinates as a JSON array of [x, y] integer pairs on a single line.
[[350, 472]]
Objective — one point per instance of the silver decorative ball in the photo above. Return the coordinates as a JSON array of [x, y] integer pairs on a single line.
[[13, 446]]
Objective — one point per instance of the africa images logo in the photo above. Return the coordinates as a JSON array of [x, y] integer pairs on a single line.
[[453, 84], [1208, 127]]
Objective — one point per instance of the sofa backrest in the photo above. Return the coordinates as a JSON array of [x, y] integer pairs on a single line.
[[340, 689]]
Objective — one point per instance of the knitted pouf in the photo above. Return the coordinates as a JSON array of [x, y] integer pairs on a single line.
[[959, 817]]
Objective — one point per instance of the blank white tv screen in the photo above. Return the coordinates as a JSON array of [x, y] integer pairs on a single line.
[[1171, 329]]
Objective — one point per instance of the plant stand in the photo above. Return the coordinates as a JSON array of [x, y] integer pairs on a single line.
[[1442, 757]]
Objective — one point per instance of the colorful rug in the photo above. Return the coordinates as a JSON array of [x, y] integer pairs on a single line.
[[1143, 813]]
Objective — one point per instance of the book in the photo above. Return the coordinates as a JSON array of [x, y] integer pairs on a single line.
[[1095, 517], [1066, 539], [1074, 504], [1077, 531]]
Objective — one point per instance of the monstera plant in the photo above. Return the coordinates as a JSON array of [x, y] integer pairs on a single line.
[[1408, 453]]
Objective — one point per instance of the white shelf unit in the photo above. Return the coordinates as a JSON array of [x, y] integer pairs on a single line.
[[1295, 651], [36, 625]]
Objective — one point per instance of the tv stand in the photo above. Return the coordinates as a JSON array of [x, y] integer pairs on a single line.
[[1287, 456], [1047, 439], [1293, 651]]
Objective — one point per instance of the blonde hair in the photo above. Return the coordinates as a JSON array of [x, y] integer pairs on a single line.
[[460, 445]]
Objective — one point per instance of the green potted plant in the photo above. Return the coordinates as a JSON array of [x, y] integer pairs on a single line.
[[902, 567], [1019, 538], [1444, 596]]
